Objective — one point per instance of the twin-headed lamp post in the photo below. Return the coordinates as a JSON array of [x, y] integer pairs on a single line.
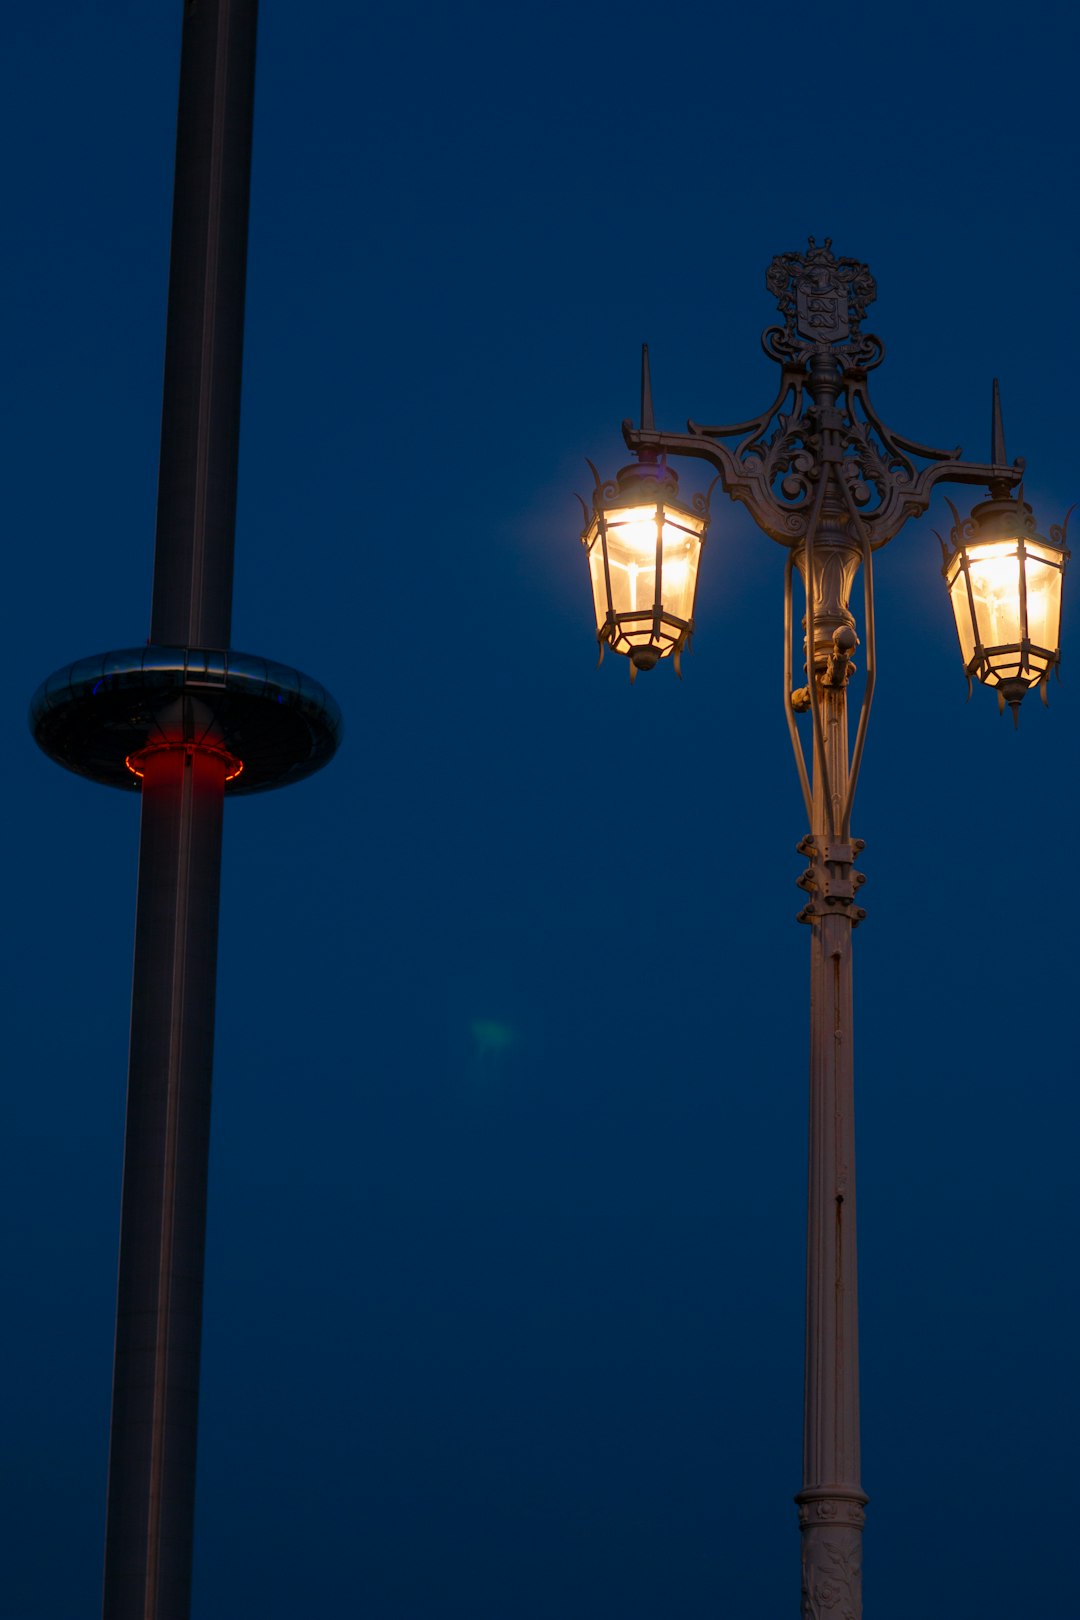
[[822, 474]]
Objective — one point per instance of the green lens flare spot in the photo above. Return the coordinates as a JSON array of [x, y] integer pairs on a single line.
[[491, 1038]]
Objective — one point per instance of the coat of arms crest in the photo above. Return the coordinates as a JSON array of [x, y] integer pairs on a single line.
[[821, 301], [821, 298]]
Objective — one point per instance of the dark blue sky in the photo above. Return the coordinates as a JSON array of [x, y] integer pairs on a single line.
[[504, 1289]]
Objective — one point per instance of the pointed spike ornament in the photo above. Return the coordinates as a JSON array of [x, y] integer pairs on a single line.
[[997, 430], [648, 424]]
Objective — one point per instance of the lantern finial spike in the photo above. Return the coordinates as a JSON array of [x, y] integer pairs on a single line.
[[648, 425], [997, 430]]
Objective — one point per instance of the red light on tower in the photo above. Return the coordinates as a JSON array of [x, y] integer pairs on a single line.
[[139, 763]]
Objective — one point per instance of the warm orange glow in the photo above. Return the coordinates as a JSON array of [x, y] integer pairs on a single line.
[[1015, 631], [622, 544], [136, 763]]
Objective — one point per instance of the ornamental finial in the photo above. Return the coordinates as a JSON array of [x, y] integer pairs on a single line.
[[647, 423], [997, 430]]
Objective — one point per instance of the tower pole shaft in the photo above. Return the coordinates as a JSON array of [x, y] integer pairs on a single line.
[[151, 1492], [204, 336], [151, 1498]]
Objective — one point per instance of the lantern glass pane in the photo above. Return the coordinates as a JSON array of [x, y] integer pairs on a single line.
[[632, 558], [962, 614], [682, 552], [596, 573], [994, 569], [1043, 573]]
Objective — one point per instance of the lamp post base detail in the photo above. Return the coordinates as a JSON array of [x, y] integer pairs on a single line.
[[831, 1526]]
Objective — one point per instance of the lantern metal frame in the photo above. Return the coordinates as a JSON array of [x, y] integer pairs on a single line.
[[821, 474], [655, 485], [1003, 520], [647, 482]]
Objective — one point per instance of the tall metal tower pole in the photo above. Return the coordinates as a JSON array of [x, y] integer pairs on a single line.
[[187, 720], [204, 337], [151, 1493]]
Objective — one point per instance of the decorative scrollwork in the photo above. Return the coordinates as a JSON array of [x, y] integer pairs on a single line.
[[832, 1574], [822, 422], [784, 459], [1012, 519], [963, 529], [1059, 531], [702, 504], [776, 463]]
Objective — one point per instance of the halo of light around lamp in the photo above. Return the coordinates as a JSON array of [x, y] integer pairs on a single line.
[[643, 546], [1004, 584]]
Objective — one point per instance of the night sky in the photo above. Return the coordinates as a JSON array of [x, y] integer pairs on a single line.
[[503, 1313]]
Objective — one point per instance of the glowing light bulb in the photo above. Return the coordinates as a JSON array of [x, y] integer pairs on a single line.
[[639, 537], [994, 570]]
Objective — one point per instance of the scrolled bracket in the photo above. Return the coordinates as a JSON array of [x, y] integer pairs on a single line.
[[773, 463]]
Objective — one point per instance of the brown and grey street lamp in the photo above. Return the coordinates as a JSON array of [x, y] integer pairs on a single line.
[[821, 474]]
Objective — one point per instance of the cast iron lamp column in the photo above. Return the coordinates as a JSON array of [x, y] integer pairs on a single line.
[[187, 720], [831, 1501], [821, 474]]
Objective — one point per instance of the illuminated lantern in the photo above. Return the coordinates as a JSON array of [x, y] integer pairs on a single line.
[[1004, 583], [644, 546]]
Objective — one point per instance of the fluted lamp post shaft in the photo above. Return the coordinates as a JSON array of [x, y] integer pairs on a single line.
[[831, 1501]]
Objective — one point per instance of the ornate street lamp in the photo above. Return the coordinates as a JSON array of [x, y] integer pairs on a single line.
[[644, 546], [821, 474], [1005, 587]]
